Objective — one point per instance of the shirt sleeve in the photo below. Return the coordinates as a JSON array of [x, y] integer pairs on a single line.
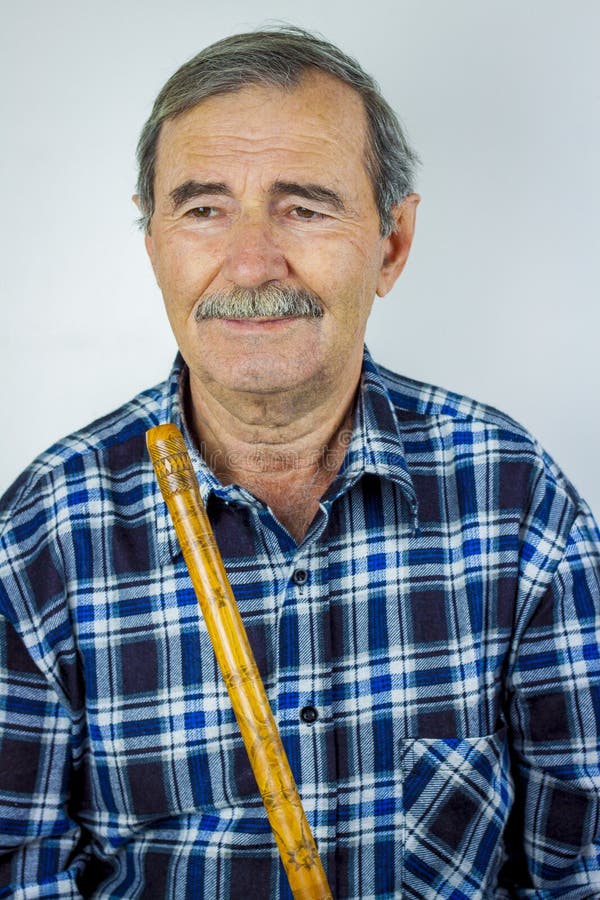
[[554, 719], [37, 836], [42, 848]]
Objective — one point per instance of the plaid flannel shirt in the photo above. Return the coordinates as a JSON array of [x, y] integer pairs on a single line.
[[430, 650]]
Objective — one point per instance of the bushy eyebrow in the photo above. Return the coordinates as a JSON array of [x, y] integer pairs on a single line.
[[191, 189], [317, 193]]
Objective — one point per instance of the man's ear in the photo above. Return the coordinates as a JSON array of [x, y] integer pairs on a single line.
[[147, 236], [136, 200], [396, 246]]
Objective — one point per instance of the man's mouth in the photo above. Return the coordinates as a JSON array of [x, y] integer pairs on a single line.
[[259, 322]]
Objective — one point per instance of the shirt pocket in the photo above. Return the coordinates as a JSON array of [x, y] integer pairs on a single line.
[[457, 794]]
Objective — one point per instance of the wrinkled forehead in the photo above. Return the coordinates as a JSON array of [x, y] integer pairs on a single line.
[[319, 113]]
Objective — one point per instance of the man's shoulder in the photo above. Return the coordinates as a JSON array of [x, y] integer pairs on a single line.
[[113, 443], [433, 420], [418, 401]]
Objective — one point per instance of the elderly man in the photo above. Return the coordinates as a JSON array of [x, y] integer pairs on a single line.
[[419, 581]]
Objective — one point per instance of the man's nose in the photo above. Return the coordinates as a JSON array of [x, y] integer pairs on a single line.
[[252, 256]]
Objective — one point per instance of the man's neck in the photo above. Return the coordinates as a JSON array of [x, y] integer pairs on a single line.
[[283, 448]]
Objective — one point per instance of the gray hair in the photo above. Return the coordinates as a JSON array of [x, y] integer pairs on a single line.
[[279, 57]]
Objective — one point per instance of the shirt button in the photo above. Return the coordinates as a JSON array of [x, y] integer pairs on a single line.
[[309, 714], [300, 576]]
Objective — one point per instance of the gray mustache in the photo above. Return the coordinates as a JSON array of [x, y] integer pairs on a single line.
[[270, 301]]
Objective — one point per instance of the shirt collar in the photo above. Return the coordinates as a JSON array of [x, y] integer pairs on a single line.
[[173, 409], [375, 446]]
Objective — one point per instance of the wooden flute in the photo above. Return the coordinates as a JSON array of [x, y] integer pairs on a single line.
[[294, 839]]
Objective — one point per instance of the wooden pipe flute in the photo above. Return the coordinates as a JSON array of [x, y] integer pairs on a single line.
[[179, 487]]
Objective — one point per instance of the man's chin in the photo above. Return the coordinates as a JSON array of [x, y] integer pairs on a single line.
[[258, 373]]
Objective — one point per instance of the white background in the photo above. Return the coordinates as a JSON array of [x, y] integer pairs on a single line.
[[500, 299]]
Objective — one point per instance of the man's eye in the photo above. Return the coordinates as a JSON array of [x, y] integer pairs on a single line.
[[201, 212], [302, 212]]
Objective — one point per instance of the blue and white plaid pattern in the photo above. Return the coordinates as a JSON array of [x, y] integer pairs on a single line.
[[441, 616]]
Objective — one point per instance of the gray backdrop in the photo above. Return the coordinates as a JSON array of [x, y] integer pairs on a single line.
[[500, 298]]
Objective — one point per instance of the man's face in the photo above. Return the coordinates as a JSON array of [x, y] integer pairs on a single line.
[[269, 186]]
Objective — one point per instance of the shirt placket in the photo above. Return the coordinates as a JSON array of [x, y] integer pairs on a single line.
[[304, 682]]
